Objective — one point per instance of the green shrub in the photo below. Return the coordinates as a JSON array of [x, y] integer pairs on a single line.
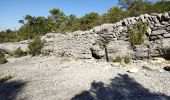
[[118, 59], [127, 59], [61, 53], [35, 46], [137, 32], [19, 53], [5, 78], [2, 58]]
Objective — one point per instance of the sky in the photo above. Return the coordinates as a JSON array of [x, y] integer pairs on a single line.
[[11, 11]]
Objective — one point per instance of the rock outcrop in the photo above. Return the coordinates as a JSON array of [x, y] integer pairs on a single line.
[[11, 47], [87, 44], [92, 43]]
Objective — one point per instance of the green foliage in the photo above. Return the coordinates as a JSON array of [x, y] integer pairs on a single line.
[[18, 53], [2, 58], [35, 46], [127, 59], [137, 32], [114, 14], [89, 21], [117, 59], [5, 78]]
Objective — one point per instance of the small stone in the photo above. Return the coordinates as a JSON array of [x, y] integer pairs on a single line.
[[160, 70], [149, 31], [133, 70]]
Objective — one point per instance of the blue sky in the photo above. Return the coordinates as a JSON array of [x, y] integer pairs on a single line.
[[13, 10]]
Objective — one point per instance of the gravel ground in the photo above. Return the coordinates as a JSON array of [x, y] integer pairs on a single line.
[[52, 78]]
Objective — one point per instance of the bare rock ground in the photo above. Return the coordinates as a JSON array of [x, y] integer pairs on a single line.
[[53, 78]]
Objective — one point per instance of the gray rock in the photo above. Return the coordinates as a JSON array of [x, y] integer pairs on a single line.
[[158, 32], [133, 70], [11, 47], [119, 48], [141, 52], [165, 16], [166, 35], [149, 31]]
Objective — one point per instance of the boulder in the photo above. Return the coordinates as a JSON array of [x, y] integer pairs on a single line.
[[119, 48], [141, 52], [11, 47]]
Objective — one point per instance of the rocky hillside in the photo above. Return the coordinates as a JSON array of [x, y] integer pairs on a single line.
[[87, 44]]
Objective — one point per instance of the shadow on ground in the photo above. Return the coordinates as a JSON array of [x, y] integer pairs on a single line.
[[122, 87], [9, 90]]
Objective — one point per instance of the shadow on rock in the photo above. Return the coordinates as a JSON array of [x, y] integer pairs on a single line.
[[121, 88], [9, 90]]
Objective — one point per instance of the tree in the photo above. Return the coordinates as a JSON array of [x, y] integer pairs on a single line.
[[114, 14], [89, 21], [125, 3], [21, 22], [59, 19]]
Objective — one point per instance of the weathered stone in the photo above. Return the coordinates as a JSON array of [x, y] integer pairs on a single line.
[[141, 52], [158, 32], [165, 23], [119, 48], [11, 47], [149, 31], [133, 70], [165, 17], [166, 35], [168, 28]]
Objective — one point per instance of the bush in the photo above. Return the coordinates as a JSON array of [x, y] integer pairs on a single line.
[[127, 59], [2, 58], [19, 53], [5, 78], [137, 32], [35, 46], [118, 59]]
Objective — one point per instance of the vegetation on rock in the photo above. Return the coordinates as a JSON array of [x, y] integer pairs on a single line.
[[35, 46], [127, 59], [117, 59], [2, 58], [5, 78], [137, 32], [18, 53]]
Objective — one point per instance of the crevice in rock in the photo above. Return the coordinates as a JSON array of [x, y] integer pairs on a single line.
[[94, 55], [167, 54]]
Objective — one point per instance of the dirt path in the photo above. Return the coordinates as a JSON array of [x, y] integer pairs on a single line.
[[51, 78]]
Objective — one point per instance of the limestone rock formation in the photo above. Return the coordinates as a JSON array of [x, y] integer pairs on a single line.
[[11, 47], [88, 44]]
